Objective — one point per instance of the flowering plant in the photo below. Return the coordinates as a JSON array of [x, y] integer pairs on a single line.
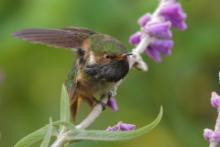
[[213, 136], [154, 39]]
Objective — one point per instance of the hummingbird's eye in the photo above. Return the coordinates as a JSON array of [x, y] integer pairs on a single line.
[[107, 56]]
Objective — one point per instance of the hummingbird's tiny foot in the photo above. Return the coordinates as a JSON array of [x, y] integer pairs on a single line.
[[101, 103]]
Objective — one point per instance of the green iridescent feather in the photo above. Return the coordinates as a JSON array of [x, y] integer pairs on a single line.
[[101, 43]]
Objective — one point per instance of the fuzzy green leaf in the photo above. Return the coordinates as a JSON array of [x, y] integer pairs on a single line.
[[115, 136], [36, 136], [32, 138], [64, 106], [48, 135]]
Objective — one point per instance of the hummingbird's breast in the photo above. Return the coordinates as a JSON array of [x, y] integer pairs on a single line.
[[99, 75], [91, 87]]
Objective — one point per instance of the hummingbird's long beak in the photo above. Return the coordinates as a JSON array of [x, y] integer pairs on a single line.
[[127, 54], [124, 56]]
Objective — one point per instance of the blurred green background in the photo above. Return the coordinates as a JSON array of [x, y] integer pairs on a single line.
[[32, 75]]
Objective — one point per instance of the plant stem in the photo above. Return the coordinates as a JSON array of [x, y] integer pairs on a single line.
[[136, 59], [60, 141], [142, 45], [96, 111]]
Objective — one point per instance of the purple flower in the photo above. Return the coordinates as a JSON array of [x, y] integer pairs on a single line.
[[112, 104], [135, 38], [143, 20], [216, 136], [156, 29], [159, 30], [163, 46], [120, 126], [207, 134], [153, 54], [158, 47], [168, 1], [215, 100], [173, 12]]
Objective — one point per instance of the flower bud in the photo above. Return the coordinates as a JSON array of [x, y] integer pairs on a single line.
[[174, 13], [160, 30], [135, 38], [153, 54], [142, 21], [120, 126], [112, 104], [207, 134], [163, 46], [215, 100]]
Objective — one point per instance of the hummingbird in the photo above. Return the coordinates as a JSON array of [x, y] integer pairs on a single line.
[[101, 61]]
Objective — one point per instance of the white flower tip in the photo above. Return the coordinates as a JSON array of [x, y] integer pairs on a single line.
[[142, 66], [136, 61]]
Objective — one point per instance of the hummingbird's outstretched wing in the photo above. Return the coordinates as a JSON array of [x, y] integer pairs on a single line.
[[72, 37], [59, 38]]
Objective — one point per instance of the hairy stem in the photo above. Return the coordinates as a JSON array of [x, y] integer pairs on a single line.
[[60, 141], [136, 59], [96, 111]]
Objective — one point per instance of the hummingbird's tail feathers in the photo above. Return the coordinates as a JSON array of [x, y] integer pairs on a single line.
[[74, 107], [60, 38], [75, 104]]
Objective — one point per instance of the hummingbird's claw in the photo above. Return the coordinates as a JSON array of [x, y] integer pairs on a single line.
[[101, 103]]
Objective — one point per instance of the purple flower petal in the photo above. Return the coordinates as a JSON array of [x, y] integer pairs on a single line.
[[181, 26], [135, 38], [127, 127], [144, 19], [120, 126], [112, 104], [153, 54], [207, 134], [163, 46], [169, 1], [216, 137], [174, 13], [113, 129], [161, 30], [215, 100]]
